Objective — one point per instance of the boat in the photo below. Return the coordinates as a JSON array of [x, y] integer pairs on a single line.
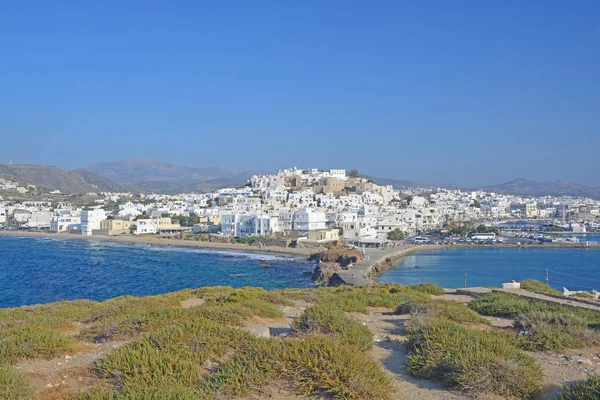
[[263, 264], [233, 275], [418, 266]]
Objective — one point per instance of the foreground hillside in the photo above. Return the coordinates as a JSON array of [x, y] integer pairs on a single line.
[[380, 342]]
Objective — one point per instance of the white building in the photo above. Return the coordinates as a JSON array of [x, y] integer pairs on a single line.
[[338, 173], [63, 223], [307, 219], [146, 226], [244, 225], [90, 220]]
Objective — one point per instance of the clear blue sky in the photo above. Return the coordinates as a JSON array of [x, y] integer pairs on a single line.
[[465, 92]]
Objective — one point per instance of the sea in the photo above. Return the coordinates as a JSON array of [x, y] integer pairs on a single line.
[[37, 270], [573, 268]]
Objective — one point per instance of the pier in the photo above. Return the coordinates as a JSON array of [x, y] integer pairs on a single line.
[[375, 262]]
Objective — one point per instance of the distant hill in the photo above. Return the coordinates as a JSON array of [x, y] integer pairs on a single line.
[[51, 177], [200, 187], [396, 183], [543, 188], [141, 170]]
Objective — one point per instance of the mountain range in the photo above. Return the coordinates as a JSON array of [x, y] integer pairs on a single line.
[[144, 175], [51, 177], [527, 187]]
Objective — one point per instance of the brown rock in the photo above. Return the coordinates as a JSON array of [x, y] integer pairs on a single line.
[[324, 271], [340, 256]]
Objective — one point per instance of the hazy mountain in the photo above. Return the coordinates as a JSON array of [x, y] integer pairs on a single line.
[[200, 187], [396, 183], [51, 177], [139, 170], [544, 188]]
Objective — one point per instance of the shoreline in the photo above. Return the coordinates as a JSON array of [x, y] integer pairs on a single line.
[[168, 242]]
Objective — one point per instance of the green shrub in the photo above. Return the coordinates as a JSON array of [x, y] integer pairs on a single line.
[[537, 286], [474, 360], [13, 384], [174, 354], [352, 299], [510, 305], [428, 288], [441, 308], [32, 342], [315, 365], [550, 331], [334, 321], [584, 295], [543, 326], [583, 390]]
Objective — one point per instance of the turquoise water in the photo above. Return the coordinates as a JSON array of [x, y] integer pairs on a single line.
[[576, 269], [41, 270]]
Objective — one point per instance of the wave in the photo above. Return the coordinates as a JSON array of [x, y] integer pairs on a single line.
[[225, 253]]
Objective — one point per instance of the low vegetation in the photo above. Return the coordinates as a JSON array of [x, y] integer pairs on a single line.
[[543, 326], [358, 299], [194, 344], [475, 360], [335, 322], [316, 364], [429, 288], [537, 286], [584, 390], [13, 384], [447, 309]]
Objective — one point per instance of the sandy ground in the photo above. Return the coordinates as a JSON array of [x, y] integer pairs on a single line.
[[161, 241]]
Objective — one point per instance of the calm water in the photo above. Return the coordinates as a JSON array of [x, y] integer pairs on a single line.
[[576, 269], [41, 270]]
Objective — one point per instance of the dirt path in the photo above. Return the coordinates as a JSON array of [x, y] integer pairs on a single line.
[[389, 348], [68, 374]]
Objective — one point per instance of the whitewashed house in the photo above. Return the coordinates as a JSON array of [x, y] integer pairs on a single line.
[[90, 220]]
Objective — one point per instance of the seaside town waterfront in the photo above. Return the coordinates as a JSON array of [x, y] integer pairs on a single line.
[[305, 211]]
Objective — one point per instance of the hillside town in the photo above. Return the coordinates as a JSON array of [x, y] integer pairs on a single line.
[[311, 205]]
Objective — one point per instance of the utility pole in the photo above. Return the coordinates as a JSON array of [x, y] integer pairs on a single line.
[[465, 278]]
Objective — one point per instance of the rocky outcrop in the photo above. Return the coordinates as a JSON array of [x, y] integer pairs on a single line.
[[380, 267], [343, 257], [324, 271]]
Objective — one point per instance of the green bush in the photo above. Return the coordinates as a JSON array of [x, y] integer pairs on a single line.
[[584, 390], [32, 342], [428, 288], [473, 360], [543, 326], [334, 321], [510, 305], [584, 295], [537, 286], [172, 355], [13, 384], [441, 308], [550, 331], [314, 365], [351, 299]]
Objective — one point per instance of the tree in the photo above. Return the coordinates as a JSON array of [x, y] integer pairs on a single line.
[[354, 174], [408, 199], [396, 234], [476, 204]]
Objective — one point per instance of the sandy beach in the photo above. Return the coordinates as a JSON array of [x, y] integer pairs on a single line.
[[161, 241]]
